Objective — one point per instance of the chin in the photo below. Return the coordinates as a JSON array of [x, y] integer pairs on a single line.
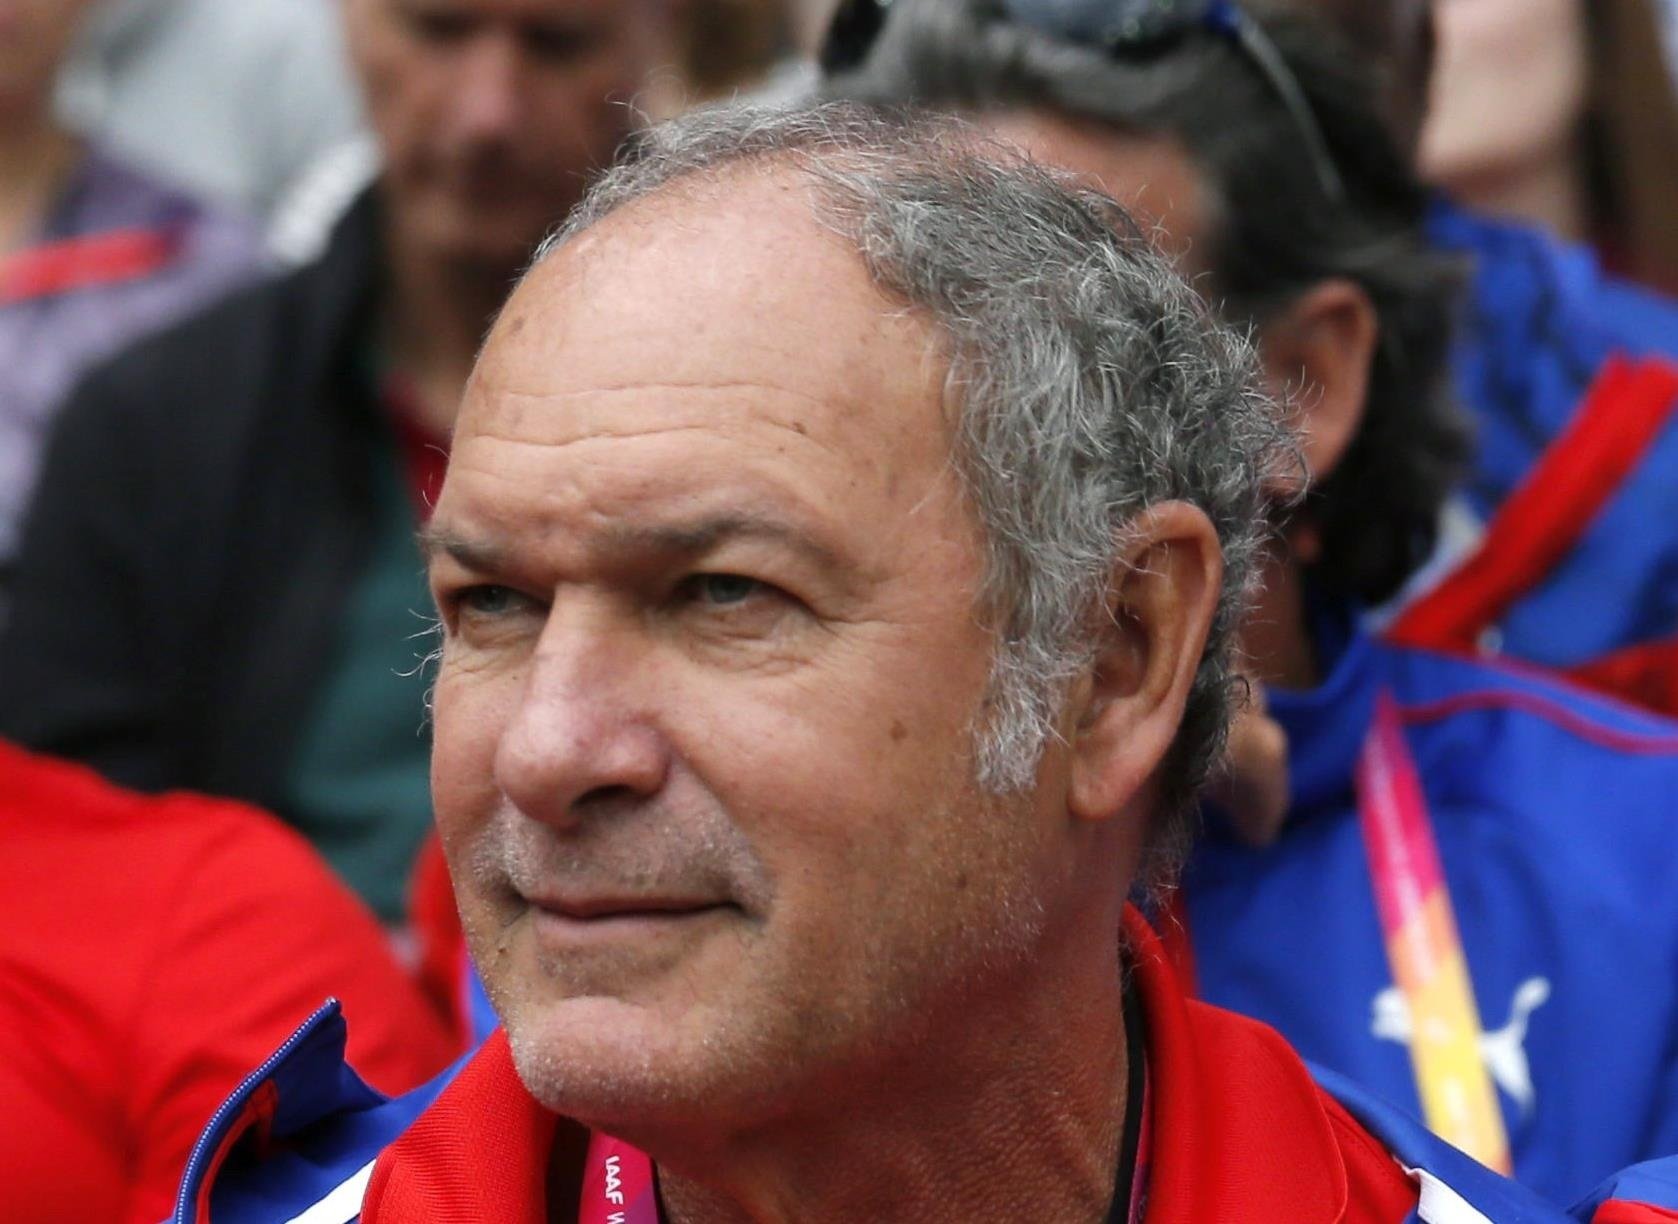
[[628, 1070]]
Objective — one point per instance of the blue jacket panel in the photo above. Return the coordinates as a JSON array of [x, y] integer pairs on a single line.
[[1540, 321], [1556, 816]]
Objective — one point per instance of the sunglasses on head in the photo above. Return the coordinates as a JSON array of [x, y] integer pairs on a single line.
[[1125, 30]]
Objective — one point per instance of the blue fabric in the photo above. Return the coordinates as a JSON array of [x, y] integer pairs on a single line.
[[1558, 848], [327, 1124], [1654, 1183], [1540, 320]]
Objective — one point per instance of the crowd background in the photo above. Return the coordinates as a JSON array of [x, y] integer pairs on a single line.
[[246, 253]]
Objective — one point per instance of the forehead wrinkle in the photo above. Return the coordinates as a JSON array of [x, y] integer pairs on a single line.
[[839, 408]]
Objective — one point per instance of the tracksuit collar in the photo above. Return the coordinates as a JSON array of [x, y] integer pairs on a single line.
[[1239, 1128]]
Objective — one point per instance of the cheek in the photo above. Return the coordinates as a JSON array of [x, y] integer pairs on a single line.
[[470, 713]]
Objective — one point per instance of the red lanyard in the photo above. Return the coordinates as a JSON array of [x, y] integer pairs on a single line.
[[617, 1184], [83, 263], [1424, 947]]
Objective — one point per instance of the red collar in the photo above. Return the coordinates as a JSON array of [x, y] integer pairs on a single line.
[[480, 1152], [1240, 1131]]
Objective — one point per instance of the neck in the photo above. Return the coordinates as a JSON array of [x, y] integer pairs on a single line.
[[35, 157], [1277, 636], [438, 314], [1012, 1110], [1550, 193]]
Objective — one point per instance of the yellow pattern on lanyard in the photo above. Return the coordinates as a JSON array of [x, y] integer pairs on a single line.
[[1424, 947]]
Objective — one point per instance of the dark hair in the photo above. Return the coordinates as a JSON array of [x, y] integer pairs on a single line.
[[1276, 232]]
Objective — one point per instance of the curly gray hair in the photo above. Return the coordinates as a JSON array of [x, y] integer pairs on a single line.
[[1086, 382]]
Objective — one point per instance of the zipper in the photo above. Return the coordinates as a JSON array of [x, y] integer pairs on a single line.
[[210, 1138]]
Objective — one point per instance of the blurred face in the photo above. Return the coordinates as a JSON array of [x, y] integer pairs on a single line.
[[34, 37], [491, 113], [704, 721], [1509, 89]]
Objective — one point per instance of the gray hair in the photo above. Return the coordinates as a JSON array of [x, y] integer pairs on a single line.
[[1086, 382], [1272, 233]]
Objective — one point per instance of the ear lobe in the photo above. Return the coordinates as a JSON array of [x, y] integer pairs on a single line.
[[1161, 602], [1317, 355]]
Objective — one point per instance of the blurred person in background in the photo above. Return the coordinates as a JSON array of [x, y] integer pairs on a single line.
[[1562, 547], [154, 950], [220, 588], [729, 46], [93, 253], [1516, 832], [1562, 114], [237, 100]]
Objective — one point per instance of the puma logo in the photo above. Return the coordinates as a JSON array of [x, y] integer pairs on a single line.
[[1503, 1051]]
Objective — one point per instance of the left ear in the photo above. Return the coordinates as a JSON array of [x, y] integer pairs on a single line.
[[1316, 356], [1160, 604]]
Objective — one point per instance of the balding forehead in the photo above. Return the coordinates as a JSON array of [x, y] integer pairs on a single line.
[[707, 268], [731, 302]]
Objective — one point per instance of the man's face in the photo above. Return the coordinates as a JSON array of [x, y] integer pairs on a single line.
[[34, 37], [491, 113], [705, 716]]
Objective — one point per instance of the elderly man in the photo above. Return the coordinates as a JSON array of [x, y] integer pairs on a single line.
[[837, 566], [219, 587], [1448, 943]]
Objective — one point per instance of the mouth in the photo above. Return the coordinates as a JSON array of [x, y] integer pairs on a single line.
[[580, 924], [609, 909]]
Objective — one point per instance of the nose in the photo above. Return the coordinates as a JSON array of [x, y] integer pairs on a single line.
[[582, 736], [487, 102]]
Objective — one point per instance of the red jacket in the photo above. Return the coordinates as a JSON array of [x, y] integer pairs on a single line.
[[152, 951]]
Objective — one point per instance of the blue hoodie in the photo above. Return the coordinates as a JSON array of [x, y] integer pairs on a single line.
[[1540, 322], [1556, 818]]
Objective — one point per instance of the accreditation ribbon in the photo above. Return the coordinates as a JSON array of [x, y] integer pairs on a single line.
[[617, 1184], [1424, 947]]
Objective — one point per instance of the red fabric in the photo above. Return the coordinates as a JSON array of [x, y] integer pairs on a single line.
[[1633, 1213], [435, 920], [153, 950], [1622, 414], [1646, 673], [1240, 1131], [480, 1153], [81, 263]]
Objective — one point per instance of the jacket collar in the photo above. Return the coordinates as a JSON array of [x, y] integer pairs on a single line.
[[1240, 1131], [1239, 1127], [479, 1153]]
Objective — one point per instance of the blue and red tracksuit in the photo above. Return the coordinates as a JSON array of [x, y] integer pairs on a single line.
[[1571, 378], [1556, 818], [1241, 1131]]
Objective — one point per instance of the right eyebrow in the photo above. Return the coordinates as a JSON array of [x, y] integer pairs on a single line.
[[474, 554]]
